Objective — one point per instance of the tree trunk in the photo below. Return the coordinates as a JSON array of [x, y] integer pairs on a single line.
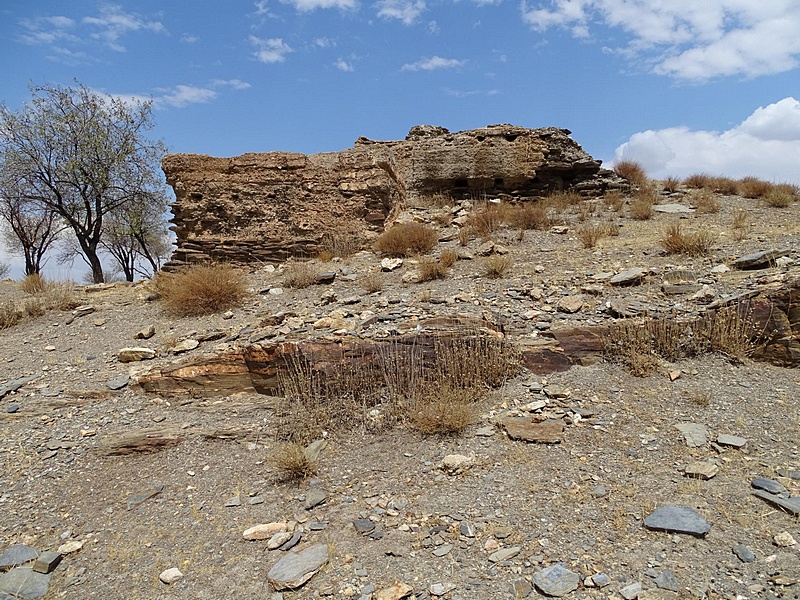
[[95, 265]]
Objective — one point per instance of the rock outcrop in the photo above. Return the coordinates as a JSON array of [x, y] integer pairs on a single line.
[[270, 206]]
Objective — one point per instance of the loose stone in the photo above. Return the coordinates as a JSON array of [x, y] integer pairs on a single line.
[[629, 592], [556, 580], [677, 519], [171, 576], [743, 553], [47, 561], [295, 568]]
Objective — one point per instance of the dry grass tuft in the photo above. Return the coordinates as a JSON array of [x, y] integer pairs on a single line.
[[412, 379], [371, 282], [292, 462], [496, 265], [201, 289], [33, 284], [705, 203], [589, 235], [639, 344], [299, 275], [779, 198], [488, 217], [407, 239], [676, 241], [615, 200], [642, 206], [740, 224], [725, 186], [753, 187], [699, 181], [529, 215], [632, 171], [671, 184], [444, 410], [560, 201]]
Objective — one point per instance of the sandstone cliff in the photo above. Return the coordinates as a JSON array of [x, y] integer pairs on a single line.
[[269, 206]]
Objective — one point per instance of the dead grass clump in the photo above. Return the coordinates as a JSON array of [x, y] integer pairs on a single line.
[[444, 410], [676, 241], [10, 314], [529, 215], [488, 217], [610, 228], [464, 236], [615, 200], [779, 198], [753, 187], [293, 462], [299, 275], [740, 224], [430, 269], [642, 207], [725, 186], [639, 344], [371, 282], [201, 289], [407, 239], [705, 203], [699, 181], [560, 201], [671, 184], [788, 188], [496, 265], [589, 235], [33, 284], [632, 171]]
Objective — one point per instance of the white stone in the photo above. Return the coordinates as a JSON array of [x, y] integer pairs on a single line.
[[170, 576]]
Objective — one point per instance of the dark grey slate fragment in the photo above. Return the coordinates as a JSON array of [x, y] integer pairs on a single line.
[[759, 260], [677, 519], [14, 385], [137, 499], [292, 542], [791, 505], [363, 525], [744, 553], [119, 382], [18, 554], [666, 580], [47, 561], [768, 485], [24, 583], [295, 568], [556, 580]]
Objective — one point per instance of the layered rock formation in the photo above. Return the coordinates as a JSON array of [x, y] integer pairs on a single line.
[[267, 207]]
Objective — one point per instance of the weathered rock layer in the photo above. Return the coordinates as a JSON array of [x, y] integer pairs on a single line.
[[270, 206]]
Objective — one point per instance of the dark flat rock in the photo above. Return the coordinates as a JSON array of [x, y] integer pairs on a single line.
[[363, 525], [768, 485], [677, 519], [18, 554], [629, 277], [24, 583], [676, 289], [759, 260], [791, 505], [793, 474], [118, 382], [14, 385], [744, 553], [295, 568]]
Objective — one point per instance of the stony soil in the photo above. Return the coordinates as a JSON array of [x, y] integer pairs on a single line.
[[581, 502]]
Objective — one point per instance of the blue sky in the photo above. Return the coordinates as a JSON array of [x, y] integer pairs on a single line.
[[680, 85]]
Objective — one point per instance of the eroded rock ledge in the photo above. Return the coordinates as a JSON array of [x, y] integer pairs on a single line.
[[270, 206]]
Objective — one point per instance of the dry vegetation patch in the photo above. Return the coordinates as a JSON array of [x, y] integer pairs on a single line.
[[632, 171], [407, 239], [299, 275], [677, 241], [201, 289], [496, 265]]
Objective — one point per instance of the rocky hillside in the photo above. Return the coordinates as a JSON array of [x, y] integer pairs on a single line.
[[161, 477]]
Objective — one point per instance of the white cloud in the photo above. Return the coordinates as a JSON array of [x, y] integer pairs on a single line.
[[765, 145], [433, 28], [433, 63], [113, 22], [189, 39], [405, 11], [272, 50], [261, 8], [343, 65], [687, 39], [183, 95], [48, 30], [468, 93], [236, 84], [323, 42], [309, 5]]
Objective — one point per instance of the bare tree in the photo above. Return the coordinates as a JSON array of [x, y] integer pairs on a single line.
[[84, 156], [136, 236], [29, 228]]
